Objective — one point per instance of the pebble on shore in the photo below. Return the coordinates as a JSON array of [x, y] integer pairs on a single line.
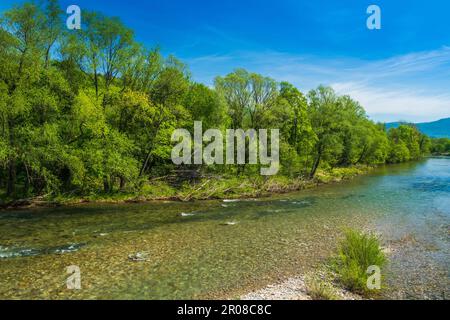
[[292, 289]]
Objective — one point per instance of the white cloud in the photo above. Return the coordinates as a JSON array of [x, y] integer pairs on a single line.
[[392, 105], [411, 87]]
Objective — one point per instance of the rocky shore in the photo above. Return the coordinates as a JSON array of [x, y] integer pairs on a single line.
[[294, 289]]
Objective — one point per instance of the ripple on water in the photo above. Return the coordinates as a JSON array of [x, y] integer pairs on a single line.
[[432, 185], [195, 256], [11, 252]]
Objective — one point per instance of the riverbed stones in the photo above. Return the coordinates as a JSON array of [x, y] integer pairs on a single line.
[[138, 257]]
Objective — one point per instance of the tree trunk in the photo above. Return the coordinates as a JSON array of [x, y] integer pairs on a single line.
[[11, 185], [363, 154], [105, 184], [111, 183], [145, 164], [27, 180], [96, 84], [316, 163], [122, 183], [47, 57]]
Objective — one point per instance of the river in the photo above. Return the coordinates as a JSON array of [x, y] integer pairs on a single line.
[[221, 249]]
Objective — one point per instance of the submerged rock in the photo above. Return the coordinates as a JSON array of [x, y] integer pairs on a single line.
[[138, 257], [70, 248], [186, 214], [101, 235], [7, 252], [230, 223]]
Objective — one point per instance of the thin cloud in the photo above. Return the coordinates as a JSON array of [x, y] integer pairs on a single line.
[[412, 87], [394, 105]]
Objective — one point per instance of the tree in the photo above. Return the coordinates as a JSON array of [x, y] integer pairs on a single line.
[[291, 112], [326, 119], [21, 55], [101, 49], [249, 96], [206, 105], [405, 144], [92, 110], [440, 146]]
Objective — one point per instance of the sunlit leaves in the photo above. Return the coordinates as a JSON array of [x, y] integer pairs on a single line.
[[92, 110], [88, 115]]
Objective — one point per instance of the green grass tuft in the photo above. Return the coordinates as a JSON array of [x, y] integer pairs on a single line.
[[356, 253], [320, 289]]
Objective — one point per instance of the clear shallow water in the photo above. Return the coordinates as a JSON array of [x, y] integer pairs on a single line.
[[222, 249]]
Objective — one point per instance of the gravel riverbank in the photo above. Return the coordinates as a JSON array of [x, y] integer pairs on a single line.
[[292, 289]]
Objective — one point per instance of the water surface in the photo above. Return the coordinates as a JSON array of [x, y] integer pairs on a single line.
[[222, 249]]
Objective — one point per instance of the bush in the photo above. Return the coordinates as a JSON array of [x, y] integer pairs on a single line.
[[155, 189], [357, 252]]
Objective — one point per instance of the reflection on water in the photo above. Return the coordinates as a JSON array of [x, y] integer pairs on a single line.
[[220, 248]]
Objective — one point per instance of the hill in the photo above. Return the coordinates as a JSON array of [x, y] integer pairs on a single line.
[[435, 129]]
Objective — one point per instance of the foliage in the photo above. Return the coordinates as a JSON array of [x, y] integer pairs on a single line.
[[356, 253], [92, 111], [440, 146], [320, 289]]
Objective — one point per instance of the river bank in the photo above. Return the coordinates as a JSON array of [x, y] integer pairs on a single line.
[[296, 288], [206, 188]]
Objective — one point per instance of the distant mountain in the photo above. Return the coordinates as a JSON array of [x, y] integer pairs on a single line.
[[435, 129]]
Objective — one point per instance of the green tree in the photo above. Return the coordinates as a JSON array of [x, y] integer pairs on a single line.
[[326, 118]]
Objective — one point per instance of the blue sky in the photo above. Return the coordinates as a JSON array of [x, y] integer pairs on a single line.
[[401, 72]]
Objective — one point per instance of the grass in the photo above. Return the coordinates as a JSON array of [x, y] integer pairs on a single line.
[[340, 174], [356, 253], [320, 289], [216, 187]]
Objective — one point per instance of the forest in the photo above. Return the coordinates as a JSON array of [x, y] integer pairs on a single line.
[[92, 111], [440, 146]]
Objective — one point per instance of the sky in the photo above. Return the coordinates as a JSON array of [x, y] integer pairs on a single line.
[[400, 72]]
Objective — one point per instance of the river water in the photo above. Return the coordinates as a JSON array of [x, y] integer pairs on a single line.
[[221, 249]]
